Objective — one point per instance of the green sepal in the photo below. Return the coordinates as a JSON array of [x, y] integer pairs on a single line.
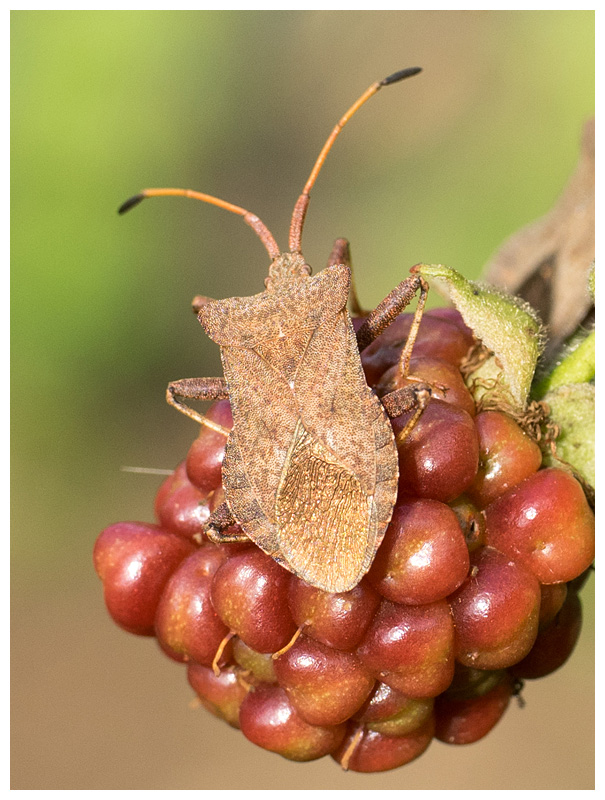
[[506, 325], [487, 382], [572, 409], [576, 366]]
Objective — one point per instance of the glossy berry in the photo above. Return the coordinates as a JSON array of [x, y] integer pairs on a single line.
[[181, 507], [326, 686], [187, 626], [506, 456], [437, 338], [444, 336], [438, 459], [336, 619], [466, 720], [220, 694], [135, 561], [250, 595], [495, 611], [444, 376], [392, 710], [545, 523], [413, 715], [268, 719], [375, 752], [552, 597], [555, 643], [411, 648], [423, 557], [205, 457]]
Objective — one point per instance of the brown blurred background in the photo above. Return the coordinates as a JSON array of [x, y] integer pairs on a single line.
[[441, 168]]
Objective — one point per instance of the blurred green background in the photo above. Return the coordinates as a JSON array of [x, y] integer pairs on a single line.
[[238, 104]]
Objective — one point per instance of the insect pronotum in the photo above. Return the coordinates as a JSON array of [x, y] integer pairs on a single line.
[[310, 471]]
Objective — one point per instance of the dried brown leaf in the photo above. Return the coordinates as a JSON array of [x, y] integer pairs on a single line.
[[547, 262]]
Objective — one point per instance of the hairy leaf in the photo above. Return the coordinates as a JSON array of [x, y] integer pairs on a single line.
[[506, 325]]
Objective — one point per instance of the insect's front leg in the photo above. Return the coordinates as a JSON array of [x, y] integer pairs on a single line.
[[341, 254], [415, 396], [199, 301], [387, 311], [197, 389]]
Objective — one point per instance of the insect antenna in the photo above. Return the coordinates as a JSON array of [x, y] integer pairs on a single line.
[[253, 221], [300, 209]]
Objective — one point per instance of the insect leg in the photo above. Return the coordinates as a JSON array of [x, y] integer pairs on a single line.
[[390, 308], [196, 389], [415, 396], [405, 399], [219, 521], [198, 302], [341, 254]]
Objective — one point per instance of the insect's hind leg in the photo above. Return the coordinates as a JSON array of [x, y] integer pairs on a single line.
[[220, 520], [207, 389], [197, 389]]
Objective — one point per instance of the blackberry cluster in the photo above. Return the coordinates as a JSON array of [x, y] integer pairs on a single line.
[[473, 589]]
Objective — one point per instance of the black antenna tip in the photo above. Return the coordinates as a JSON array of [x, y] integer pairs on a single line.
[[131, 203], [399, 76]]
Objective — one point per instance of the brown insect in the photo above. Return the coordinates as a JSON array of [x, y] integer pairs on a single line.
[[310, 471]]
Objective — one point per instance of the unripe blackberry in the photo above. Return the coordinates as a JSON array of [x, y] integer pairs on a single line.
[[544, 522], [324, 685], [466, 720], [495, 612], [423, 557], [135, 561], [269, 720]]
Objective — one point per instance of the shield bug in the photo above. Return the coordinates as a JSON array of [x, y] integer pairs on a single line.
[[310, 470]]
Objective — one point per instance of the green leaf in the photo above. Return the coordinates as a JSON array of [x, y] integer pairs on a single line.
[[506, 325]]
